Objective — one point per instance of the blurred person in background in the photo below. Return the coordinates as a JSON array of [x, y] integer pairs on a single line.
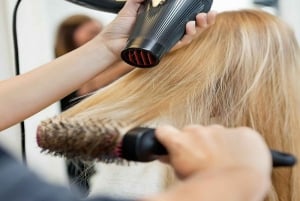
[[73, 32]]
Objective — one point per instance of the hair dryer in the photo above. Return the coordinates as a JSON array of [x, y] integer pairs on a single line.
[[112, 6], [159, 26]]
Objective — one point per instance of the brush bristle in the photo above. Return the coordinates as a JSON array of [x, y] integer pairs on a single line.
[[89, 139]]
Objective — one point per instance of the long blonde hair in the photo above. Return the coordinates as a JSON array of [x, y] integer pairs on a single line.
[[242, 71]]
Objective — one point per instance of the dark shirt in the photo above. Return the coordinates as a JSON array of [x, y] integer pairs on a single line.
[[17, 183]]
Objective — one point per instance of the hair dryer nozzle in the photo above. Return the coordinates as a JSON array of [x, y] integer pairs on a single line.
[[143, 52], [158, 28]]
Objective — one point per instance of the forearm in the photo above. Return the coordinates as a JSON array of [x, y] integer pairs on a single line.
[[24, 95], [241, 185]]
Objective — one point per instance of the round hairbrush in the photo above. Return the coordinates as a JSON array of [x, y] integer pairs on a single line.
[[111, 142]]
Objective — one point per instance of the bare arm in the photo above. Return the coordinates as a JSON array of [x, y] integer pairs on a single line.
[[24, 95]]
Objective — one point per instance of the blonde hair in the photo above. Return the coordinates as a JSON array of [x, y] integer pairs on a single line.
[[242, 71]]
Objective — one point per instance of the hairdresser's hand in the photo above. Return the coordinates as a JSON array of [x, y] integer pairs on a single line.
[[195, 28], [198, 149], [115, 35], [216, 163]]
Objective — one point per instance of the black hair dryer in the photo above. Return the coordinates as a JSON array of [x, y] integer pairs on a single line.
[[159, 26]]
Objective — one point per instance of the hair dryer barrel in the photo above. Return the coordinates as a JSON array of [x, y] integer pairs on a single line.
[[112, 6], [158, 28]]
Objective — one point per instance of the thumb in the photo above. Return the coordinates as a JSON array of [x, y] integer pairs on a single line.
[[168, 136]]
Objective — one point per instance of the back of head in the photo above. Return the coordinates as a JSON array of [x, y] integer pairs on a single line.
[[242, 71], [64, 42]]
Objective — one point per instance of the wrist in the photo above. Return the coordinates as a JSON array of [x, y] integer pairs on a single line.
[[113, 44], [103, 46]]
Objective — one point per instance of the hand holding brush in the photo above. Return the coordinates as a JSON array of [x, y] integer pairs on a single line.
[[216, 163], [111, 142]]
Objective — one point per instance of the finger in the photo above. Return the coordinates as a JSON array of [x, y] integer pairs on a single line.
[[188, 37], [201, 136], [217, 127], [195, 28], [194, 129], [185, 40], [201, 20], [169, 137], [196, 134], [177, 46], [211, 17], [190, 28]]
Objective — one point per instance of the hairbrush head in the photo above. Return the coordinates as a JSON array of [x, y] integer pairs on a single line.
[[87, 139]]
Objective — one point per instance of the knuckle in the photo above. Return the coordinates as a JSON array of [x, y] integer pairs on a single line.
[[245, 129], [216, 126], [193, 128]]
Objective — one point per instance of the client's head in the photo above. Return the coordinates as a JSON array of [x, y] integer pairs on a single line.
[[75, 31], [242, 71]]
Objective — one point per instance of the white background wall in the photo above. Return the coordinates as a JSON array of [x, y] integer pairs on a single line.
[[289, 11], [38, 20], [37, 23]]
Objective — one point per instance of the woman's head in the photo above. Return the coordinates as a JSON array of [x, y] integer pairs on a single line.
[[246, 57], [75, 31], [242, 71]]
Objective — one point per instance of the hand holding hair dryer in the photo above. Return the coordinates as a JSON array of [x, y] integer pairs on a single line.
[[159, 26]]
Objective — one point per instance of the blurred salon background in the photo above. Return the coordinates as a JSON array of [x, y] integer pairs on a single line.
[[38, 21]]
